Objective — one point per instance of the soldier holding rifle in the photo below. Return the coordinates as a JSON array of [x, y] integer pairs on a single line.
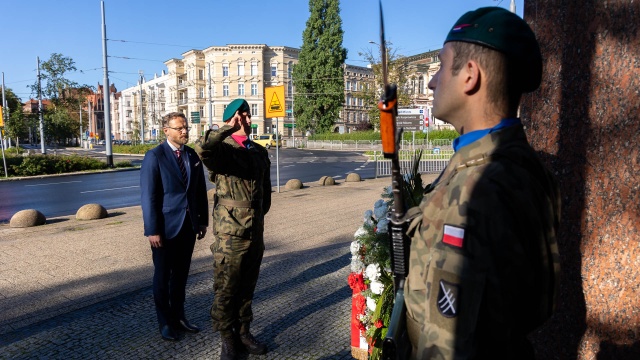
[[483, 260]]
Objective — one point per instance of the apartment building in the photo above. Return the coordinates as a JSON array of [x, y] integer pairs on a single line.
[[357, 79], [201, 83], [421, 68]]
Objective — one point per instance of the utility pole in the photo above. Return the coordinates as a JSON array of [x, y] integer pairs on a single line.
[[210, 106], [42, 148], [3, 117], [141, 109], [106, 93]]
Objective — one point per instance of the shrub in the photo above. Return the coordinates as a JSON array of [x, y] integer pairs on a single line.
[[53, 164], [374, 135]]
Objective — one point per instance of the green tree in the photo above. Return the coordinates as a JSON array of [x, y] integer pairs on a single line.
[[397, 74], [319, 75], [15, 124], [62, 121]]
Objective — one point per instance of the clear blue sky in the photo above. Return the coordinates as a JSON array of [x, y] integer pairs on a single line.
[[158, 30]]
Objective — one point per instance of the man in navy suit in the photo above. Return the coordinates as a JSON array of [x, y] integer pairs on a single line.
[[174, 209]]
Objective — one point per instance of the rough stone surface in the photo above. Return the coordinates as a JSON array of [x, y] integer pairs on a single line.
[[91, 212], [585, 121], [326, 181], [353, 177], [293, 184], [27, 218]]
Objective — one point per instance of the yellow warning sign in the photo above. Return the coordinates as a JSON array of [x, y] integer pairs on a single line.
[[1, 120], [274, 101]]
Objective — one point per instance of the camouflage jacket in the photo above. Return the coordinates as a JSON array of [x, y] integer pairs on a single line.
[[484, 262], [243, 183]]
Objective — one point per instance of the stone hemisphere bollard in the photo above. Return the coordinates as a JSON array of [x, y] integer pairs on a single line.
[[353, 177], [326, 180], [210, 194], [91, 212], [293, 184], [27, 218]]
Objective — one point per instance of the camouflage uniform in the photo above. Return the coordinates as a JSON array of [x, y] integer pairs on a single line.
[[243, 197], [484, 263]]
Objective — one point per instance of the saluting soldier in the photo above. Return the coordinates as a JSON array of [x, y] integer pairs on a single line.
[[240, 170], [483, 268]]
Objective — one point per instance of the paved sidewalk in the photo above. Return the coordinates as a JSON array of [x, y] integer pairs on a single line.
[[82, 289]]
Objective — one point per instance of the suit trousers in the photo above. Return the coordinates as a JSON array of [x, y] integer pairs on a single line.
[[171, 269]]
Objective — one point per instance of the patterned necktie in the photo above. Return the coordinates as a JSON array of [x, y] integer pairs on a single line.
[[183, 170]]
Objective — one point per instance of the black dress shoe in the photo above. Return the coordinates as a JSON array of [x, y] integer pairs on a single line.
[[186, 326], [168, 334]]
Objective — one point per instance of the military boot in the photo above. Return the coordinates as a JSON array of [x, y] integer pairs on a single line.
[[228, 351], [252, 345]]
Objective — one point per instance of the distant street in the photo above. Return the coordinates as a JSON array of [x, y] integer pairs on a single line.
[[64, 195]]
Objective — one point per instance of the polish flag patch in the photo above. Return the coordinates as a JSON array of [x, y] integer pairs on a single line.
[[453, 235]]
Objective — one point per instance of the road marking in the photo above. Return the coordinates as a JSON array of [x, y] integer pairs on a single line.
[[63, 182], [120, 188]]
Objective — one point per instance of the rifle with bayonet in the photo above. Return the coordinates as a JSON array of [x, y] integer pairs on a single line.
[[396, 343]]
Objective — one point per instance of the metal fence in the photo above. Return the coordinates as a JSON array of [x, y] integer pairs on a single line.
[[430, 163], [367, 145]]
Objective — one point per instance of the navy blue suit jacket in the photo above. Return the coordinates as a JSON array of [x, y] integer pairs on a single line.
[[165, 196]]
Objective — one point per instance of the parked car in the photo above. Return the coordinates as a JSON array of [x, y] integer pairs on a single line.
[[267, 140]]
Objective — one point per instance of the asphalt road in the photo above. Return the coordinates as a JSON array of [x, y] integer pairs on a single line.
[[64, 195]]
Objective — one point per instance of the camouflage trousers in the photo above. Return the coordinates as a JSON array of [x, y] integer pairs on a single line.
[[236, 266]]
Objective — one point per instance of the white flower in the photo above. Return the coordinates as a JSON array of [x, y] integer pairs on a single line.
[[360, 232], [371, 304], [372, 272], [376, 287], [356, 264]]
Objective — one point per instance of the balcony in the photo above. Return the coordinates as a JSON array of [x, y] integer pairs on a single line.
[[183, 101]]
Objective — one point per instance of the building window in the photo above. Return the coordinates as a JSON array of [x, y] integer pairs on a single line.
[[421, 85], [254, 109], [274, 70], [201, 111], [360, 101], [240, 69], [290, 88], [254, 69], [348, 99], [240, 89], [354, 86], [290, 70], [201, 93], [128, 113], [201, 74], [225, 70], [225, 90], [348, 86], [254, 89]]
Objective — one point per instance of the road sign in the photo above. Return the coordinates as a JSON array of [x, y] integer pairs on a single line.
[[195, 117], [273, 101], [409, 122]]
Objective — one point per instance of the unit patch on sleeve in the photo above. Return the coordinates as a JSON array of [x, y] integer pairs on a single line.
[[448, 299], [453, 235]]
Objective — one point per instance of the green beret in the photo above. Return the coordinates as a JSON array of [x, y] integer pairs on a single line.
[[506, 32], [235, 105]]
